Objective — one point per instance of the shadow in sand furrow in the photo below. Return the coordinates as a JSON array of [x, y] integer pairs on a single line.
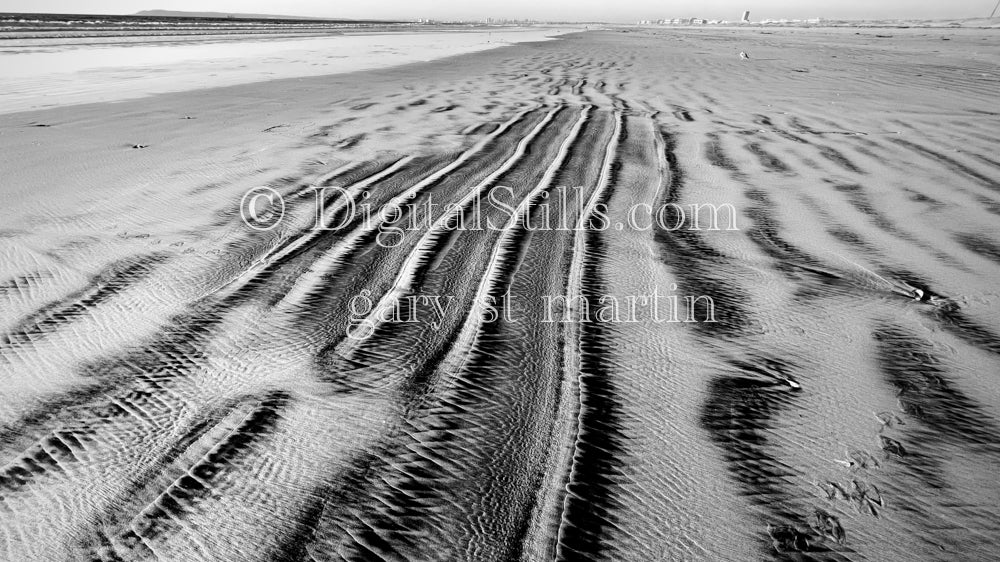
[[556, 87], [953, 321], [129, 387], [412, 261], [149, 482], [738, 415], [861, 280], [985, 203], [343, 177], [951, 164], [789, 136], [530, 186], [926, 394], [797, 124], [990, 206], [345, 227], [373, 239], [480, 129], [979, 245], [48, 457], [111, 281], [936, 418], [347, 230], [765, 121], [523, 177], [339, 215], [851, 238], [34, 422], [349, 142], [920, 197], [300, 533], [86, 416], [529, 346], [740, 408], [22, 285], [852, 279], [945, 312], [165, 513], [692, 259], [769, 161], [620, 104], [302, 197], [421, 487], [838, 158], [682, 114], [986, 160], [456, 469], [859, 198], [373, 511], [203, 479], [866, 149], [717, 156], [392, 502], [766, 235], [599, 453], [587, 498], [342, 225]]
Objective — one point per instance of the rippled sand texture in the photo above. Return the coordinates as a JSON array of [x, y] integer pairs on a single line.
[[179, 387]]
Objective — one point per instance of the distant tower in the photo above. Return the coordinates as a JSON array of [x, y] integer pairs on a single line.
[[746, 17]]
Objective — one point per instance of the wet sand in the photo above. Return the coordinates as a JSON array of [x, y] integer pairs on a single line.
[[48, 73], [180, 386]]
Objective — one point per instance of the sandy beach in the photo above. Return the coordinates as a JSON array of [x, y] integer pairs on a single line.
[[47, 72], [193, 372]]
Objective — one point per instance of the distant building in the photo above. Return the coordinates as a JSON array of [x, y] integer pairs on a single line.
[[746, 17]]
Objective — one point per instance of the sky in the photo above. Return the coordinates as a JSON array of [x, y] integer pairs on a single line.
[[562, 10]]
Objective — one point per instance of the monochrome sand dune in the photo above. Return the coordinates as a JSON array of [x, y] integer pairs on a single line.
[[180, 386]]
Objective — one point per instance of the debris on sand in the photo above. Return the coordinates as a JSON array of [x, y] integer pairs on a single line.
[[892, 447], [828, 526], [787, 538]]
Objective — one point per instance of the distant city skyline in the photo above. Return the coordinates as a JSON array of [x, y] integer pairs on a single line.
[[622, 11]]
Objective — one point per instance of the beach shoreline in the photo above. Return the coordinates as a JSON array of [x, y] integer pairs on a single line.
[[38, 77]]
